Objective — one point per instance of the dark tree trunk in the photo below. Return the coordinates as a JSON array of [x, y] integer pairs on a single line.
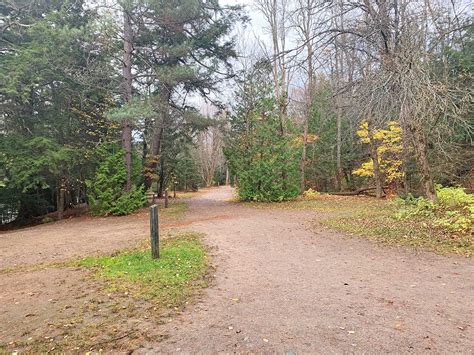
[[127, 96], [157, 138], [375, 160], [303, 155], [161, 184], [419, 144], [127, 146], [377, 177], [145, 142], [339, 172]]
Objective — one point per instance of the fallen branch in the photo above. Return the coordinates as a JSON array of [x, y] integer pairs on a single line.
[[357, 192], [114, 339]]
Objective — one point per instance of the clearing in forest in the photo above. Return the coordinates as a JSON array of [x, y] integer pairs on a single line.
[[281, 283]]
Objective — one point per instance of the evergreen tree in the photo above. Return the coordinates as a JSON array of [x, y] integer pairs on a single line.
[[53, 98], [265, 163]]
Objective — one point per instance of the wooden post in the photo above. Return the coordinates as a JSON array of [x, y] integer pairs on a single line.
[[166, 198], [154, 232]]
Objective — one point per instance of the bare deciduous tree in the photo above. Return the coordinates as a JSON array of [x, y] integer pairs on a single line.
[[209, 151]]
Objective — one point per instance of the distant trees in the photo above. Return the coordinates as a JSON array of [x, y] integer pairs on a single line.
[[401, 41], [264, 162], [181, 48], [76, 77], [387, 62], [209, 144]]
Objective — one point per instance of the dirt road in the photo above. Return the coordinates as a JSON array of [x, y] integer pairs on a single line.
[[280, 285], [283, 288]]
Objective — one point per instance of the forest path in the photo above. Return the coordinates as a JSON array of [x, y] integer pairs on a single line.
[[281, 287]]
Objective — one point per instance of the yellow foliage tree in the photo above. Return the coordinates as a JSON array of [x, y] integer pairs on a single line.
[[389, 148]]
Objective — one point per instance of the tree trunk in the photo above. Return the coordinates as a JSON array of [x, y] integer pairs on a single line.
[[377, 177], [339, 172], [375, 160], [405, 156], [307, 28], [303, 156], [153, 158], [127, 146], [161, 185], [166, 199], [127, 96], [149, 170], [423, 164], [227, 176]]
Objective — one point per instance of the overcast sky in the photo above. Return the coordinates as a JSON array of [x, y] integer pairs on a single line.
[[245, 36], [257, 22]]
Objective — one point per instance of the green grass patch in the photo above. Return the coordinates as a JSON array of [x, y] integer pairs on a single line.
[[168, 281], [376, 219]]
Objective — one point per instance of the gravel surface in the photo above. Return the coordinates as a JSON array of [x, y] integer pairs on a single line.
[[280, 285]]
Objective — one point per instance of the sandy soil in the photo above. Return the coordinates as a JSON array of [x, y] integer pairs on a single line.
[[69, 238], [279, 286]]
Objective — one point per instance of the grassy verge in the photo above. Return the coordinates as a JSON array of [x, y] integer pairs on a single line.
[[175, 211], [168, 281], [130, 296], [375, 219]]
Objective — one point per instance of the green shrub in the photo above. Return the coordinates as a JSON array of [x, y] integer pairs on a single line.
[[265, 162], [414, 206], [106, 195], [454, 197], [454, 210], [129, 202]]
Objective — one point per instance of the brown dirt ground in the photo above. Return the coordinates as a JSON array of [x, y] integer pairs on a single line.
[[279, 286]]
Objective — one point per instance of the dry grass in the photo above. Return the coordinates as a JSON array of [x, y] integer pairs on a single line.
[[375, 219]]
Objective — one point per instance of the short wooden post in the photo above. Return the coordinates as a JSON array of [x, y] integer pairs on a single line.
[[154, 232], [166, 198]]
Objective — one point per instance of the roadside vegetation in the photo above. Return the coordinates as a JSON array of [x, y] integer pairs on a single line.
[[132, 294], [445, 227], [167, 281], [104, 132]]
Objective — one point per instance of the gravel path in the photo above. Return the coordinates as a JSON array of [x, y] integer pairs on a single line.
[[280, 287]]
